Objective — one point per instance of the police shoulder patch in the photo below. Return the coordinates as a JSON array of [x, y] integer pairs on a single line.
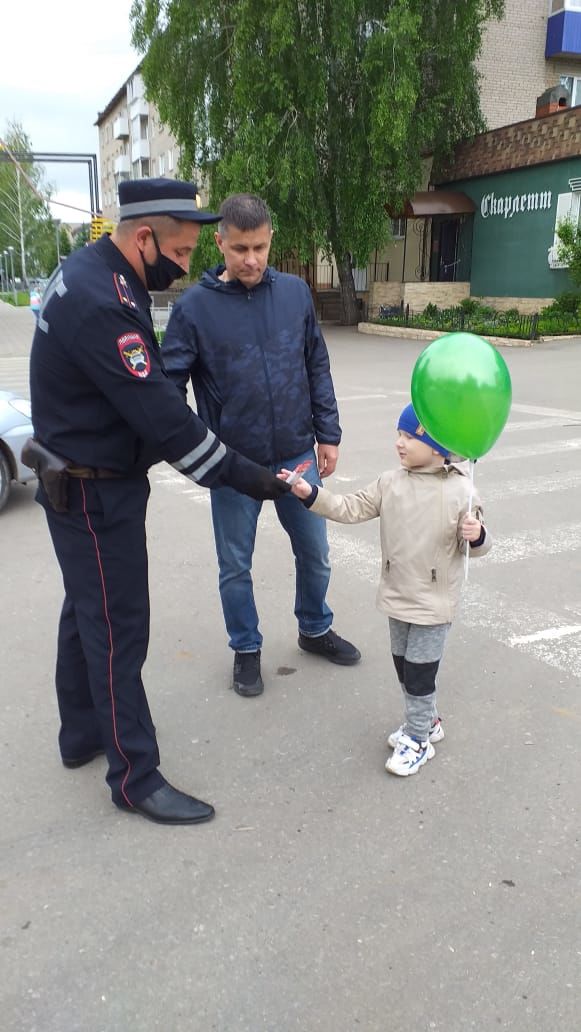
[[134, 354]]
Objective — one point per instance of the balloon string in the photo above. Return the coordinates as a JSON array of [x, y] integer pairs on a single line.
[[470, 497]]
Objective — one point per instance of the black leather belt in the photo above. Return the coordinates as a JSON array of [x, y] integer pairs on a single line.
[[88, 473]]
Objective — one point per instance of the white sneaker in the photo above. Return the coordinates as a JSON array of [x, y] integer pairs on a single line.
[[408, 756], [436, 734]]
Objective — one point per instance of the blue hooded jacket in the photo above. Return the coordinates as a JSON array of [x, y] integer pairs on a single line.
[[258, 363]]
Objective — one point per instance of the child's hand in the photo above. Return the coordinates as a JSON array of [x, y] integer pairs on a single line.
[[471, 528], [301, 488]]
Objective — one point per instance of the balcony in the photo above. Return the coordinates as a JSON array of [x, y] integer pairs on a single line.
[[564, 30], [121, 128], [122, 165], [139, 108], [139, 149]]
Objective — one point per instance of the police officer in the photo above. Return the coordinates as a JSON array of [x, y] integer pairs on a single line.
[[103, 411]]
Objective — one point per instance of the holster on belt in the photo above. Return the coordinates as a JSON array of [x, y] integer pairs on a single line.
[[51, 470]]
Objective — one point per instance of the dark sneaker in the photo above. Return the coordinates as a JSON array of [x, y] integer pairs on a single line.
[[246, 679], [331, 647]]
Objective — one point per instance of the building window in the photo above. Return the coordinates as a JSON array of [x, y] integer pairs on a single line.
[[564, 5], [170, 161], [573, 84], [398, 229], [162, 164]]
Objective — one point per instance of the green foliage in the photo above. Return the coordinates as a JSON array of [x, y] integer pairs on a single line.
[[82, 237], [569, 249], [22, 298], [25, 222], [431, 311], [469, 305], [51, 255], [325, 108], [566, 303], [206, 254], [488, 322]]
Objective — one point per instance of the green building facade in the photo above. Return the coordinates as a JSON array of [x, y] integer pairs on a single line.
[[503, 249]]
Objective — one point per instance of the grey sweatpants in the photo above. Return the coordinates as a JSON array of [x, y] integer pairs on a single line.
[[417, 650]]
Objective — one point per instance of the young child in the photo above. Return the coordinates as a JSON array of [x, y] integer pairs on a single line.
[[425, 528]]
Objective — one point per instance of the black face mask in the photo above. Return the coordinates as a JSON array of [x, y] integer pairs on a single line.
[[163, 272]]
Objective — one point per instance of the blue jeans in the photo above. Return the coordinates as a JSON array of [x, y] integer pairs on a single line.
[[235, 517]]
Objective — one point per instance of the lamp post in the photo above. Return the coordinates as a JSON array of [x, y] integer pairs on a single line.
[[57, 226], [2, 287], [11, 250]]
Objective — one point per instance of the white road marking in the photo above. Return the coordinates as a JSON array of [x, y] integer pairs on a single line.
[[541, 410], [531, 486], [527, 451], [537, 424], [490, 612], [552, 634], [495, 614], [530, 544], [361, 397]]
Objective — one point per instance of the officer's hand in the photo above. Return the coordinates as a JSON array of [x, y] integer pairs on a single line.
[[254, 480], [266, 486]]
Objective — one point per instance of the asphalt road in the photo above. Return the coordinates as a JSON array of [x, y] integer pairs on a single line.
[[326, 896]]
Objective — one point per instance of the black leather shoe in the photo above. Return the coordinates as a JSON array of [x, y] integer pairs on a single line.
[[80, 761], [167, 805], [246, 676], [331, 647]]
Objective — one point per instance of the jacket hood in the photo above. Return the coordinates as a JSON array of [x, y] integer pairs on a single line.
[[211, 280]]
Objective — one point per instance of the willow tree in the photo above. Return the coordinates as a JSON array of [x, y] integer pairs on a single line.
[[324, 107]]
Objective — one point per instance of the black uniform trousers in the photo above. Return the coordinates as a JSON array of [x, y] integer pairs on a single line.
[[104, 631]]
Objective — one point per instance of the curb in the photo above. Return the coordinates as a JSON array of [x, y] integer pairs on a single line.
[[408, 333]]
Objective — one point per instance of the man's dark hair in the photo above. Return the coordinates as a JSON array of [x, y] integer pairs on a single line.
[[243, 211]]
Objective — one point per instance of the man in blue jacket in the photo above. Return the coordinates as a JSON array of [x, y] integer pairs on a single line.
[[248, 338]]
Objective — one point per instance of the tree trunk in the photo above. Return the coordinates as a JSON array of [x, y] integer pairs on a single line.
[[351, 314]]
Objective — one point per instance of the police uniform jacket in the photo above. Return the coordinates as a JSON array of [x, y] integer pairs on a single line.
[[258, 363], [100, 395]]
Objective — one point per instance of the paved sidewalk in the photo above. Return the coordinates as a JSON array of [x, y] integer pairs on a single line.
[[327, 895], [16, 330]]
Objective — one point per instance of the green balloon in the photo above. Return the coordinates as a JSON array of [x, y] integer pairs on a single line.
[[461, 393]]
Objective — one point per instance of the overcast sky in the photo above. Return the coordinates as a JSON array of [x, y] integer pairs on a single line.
[[61, 63]]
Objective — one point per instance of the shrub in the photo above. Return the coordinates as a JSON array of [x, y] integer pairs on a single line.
[[431, 311], [566, 303], [469, 305]]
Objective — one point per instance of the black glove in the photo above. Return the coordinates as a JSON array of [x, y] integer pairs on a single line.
[[251, 479]]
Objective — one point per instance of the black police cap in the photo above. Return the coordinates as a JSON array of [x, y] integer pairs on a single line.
[[142, 198]]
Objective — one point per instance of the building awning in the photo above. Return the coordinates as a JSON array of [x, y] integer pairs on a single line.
[[438, 202]]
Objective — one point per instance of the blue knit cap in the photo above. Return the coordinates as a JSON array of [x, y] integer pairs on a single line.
[[410, 424]]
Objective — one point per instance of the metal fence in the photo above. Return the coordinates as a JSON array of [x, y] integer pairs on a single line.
[[497, 324], [324, 276], [160, 316]]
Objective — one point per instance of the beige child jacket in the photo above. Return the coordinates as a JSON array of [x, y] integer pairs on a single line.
[[422, 550]]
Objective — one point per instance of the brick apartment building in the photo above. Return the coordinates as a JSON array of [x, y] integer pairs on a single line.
[[133, 143]]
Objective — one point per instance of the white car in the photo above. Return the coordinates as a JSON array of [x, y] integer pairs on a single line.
[[15, 428]]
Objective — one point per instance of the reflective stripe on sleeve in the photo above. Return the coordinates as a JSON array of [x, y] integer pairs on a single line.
[[197, 463]]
